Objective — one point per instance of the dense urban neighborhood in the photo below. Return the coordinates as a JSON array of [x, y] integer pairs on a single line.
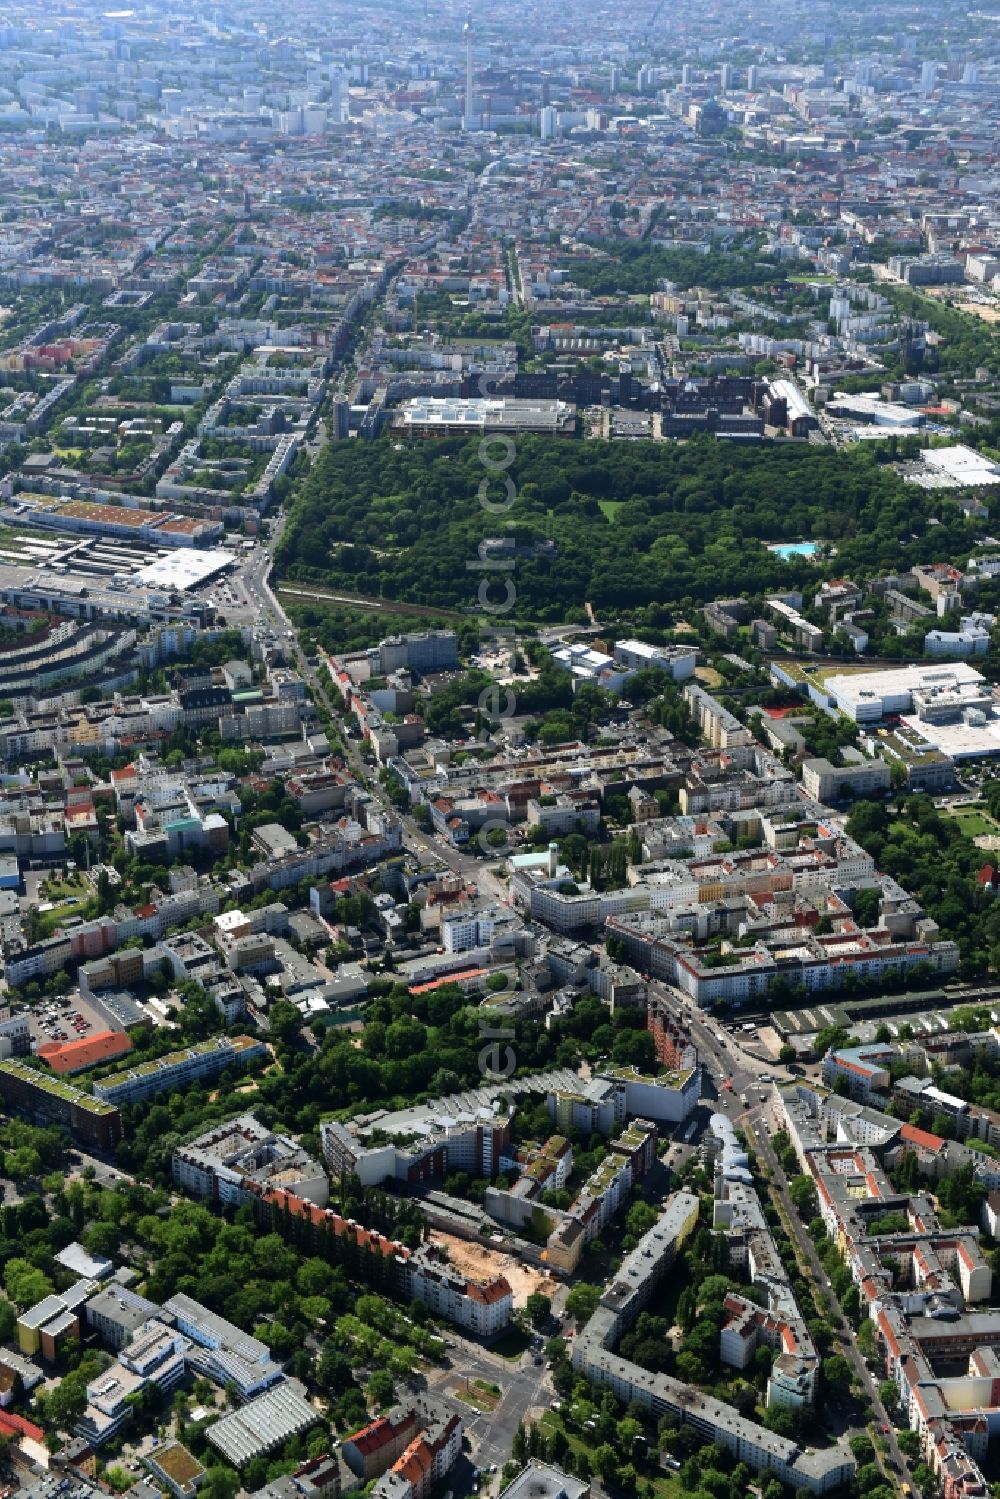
[[499, 751]]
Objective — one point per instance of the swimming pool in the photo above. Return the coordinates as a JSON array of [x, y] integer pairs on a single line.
[[786, 549]]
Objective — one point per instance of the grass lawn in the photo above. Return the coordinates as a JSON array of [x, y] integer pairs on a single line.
[[61, 890], [975, 822], [12, 541], [67, 898], [666, 1487], [610, 508], [479, 1395]]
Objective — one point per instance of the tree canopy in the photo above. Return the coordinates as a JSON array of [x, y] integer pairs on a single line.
[[634, 523]]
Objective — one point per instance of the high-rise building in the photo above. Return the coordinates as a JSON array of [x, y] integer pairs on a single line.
[[467, 33], [970, 73], [928, 77], [726, 77], [338, 96], [687, 75], [752, 79], [547, 122]]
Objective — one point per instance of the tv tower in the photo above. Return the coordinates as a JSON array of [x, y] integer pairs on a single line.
[[467, 33]]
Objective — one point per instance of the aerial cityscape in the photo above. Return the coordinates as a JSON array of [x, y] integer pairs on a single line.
[[499, 751]]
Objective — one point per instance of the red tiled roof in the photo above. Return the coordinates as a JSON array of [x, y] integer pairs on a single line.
[[300, 1207], [416, 1462], [378, 1432], [921, 1137], [80, 811], [489, 1291], [69, 1056], [450, 978], [12, 1425]]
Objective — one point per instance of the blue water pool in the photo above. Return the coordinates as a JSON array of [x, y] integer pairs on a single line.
[[788, 549]]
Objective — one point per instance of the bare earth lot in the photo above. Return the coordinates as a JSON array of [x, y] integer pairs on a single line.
[[475, 1260]]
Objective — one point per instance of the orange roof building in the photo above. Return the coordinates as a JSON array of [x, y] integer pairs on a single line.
[[373, 1450], [67, 1057], [12, 1425]]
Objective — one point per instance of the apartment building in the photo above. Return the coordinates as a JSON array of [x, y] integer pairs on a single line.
[[441, 1144], [922, 1094], [720, 728], [45, 1099], [920, 1282], [671, 1038], [465, 929], [233, 1162], [653, 946], [425, 1462], [818, 1471], [40, 960], [863, 1070], [637, 1143], [861, 777], [611, 1097], [483, 1308], [120, 970], [180, 1069], [793, 1377], [549, 1164], [373, 1449], [15, 1035], [603, 1194], [567, 812], [318, 1478]]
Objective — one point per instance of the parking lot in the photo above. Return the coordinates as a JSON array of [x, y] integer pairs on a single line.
[[56, 1020]]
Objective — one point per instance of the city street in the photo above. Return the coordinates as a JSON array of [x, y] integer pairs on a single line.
[[524, 1389], [722, 1055], [255, 573], [760, 1131]]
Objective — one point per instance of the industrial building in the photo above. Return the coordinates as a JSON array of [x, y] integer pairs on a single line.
[[263, 1424], [439, 416]]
